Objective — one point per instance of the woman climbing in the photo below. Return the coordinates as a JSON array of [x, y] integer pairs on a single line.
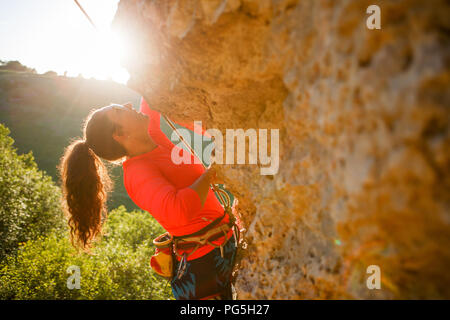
[[178, 196]]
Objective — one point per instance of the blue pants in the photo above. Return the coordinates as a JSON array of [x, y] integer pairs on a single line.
[[207, 276]]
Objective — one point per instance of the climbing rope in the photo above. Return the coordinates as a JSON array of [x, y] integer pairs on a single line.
[[85, 13]]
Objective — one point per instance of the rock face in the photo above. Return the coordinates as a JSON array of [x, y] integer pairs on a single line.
[[363, 117]]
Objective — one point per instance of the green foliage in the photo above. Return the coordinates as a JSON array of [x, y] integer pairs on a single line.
[[118, 268], [29, 200], [35, 252]]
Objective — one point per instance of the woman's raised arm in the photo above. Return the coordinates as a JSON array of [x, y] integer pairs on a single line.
[[152, 192]]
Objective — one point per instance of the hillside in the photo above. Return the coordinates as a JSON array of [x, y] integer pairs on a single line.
[[45, 112]]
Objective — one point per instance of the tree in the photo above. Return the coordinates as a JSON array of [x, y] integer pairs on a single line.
[[118, 269], [14, 66], [29, 199], [50, 74]]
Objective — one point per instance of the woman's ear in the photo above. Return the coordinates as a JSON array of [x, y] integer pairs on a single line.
[[117, 137], [120, 135]]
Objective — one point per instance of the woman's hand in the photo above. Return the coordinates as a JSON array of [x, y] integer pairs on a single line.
[[213, 176], [202, 184]]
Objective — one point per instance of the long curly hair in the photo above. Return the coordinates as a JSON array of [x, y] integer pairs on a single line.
[[85, 179]]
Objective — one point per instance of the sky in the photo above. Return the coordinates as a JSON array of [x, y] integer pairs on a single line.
[[55, 35]]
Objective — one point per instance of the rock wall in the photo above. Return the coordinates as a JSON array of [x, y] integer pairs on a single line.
[[364, 132]]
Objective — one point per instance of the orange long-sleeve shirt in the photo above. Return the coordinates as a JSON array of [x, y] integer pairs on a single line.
[[161, 187]]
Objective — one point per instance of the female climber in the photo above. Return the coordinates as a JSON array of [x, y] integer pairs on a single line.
[[178, 196]]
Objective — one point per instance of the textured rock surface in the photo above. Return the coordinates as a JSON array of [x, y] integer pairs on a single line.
[[364, 132]]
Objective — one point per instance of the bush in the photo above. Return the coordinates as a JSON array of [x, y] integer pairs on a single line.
[[15, 66], [118, 268], [51, 74], [35, 249], [29, 200]]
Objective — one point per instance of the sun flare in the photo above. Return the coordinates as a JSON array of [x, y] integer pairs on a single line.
[[61, 39], [103, 49], [102, 59]]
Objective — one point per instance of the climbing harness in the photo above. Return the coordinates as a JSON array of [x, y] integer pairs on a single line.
[[205, 236], [167, 246]]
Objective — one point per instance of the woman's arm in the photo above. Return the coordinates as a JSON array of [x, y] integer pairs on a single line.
[[201, 185], [152, 192]]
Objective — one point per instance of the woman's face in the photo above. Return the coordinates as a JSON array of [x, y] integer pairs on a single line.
[[133, 125]]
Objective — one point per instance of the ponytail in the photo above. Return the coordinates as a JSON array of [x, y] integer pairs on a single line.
[[85, 185]]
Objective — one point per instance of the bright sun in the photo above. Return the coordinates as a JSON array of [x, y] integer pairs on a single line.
[[55, 35], [102, 48], [103, 57], [64, 41]]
